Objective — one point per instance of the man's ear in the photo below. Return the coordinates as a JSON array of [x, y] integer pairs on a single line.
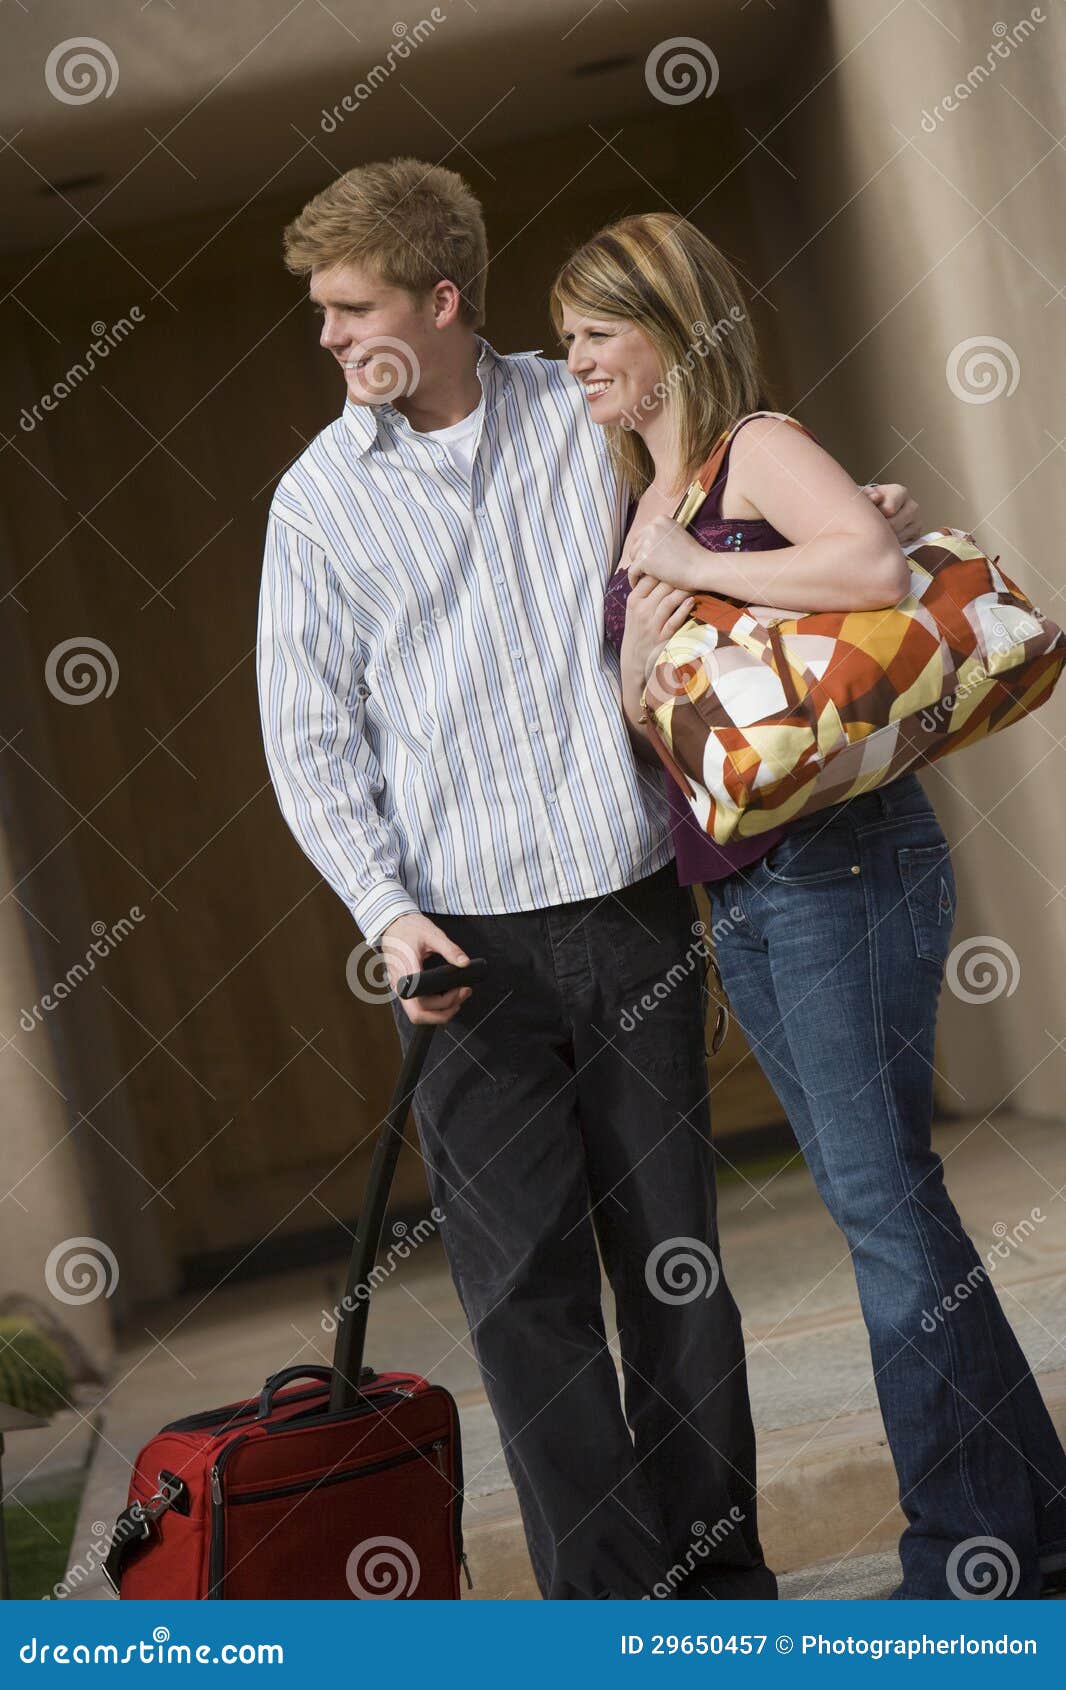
[[446, 302]]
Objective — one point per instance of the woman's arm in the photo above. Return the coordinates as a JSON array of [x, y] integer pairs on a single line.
[[844, 555]]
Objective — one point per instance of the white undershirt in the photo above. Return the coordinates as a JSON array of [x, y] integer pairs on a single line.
[[459, 438]]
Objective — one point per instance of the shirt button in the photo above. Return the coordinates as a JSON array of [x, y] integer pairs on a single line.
[[856, 868]]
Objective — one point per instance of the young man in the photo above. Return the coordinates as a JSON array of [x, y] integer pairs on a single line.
[[443, 727]]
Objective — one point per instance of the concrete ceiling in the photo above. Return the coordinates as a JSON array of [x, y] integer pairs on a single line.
[[181, 105]]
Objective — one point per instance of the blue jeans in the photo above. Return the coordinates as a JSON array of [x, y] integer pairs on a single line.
[[832, 950]]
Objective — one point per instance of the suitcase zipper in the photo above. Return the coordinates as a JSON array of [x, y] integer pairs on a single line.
[[393, 1394], [248, 1410], [338, 1478], [217, 1550], [438, 1448]]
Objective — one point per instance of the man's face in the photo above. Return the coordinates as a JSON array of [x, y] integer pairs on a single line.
[[381, 336]]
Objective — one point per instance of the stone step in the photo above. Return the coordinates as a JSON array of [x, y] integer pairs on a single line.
[[828, 1498]]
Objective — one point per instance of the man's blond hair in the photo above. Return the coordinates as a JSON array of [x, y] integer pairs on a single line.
[[414, 223]]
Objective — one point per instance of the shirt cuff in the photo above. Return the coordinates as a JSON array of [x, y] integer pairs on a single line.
[[375, 910]]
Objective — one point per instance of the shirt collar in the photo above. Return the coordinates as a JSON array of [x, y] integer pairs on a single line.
[[370, 425]]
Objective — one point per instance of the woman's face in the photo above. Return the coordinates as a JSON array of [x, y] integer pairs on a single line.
[[617, 366]]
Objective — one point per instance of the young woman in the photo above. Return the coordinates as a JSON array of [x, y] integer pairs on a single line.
[[832, 933]]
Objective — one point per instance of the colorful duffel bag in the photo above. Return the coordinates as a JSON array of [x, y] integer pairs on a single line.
[[762, 722]]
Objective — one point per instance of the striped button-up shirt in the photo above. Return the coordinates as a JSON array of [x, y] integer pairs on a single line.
[[441, 712]]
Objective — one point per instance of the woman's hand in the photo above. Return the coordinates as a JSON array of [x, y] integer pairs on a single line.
[[663, 552], [897, 507], [654, 612]]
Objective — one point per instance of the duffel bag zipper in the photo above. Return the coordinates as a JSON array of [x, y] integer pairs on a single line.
[[217, 1551]]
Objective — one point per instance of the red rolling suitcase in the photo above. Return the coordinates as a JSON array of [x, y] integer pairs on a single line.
[[349, 1488]]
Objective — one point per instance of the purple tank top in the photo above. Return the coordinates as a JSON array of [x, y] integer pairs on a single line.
[[697, 857]]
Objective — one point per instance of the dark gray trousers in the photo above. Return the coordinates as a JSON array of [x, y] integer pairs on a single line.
[[565, 1104]]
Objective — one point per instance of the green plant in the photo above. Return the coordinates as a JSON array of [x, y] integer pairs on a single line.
[[33, 1374]]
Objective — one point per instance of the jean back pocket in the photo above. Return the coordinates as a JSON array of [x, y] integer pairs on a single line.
[[928, 882]]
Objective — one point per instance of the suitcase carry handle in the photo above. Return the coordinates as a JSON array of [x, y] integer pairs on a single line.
[[351, 1324], [278, 1380]]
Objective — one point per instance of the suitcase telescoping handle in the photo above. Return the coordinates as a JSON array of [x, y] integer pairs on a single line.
[[351, 1325]]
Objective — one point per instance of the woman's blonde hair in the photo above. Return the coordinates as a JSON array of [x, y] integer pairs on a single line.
[[660, 273], [415, 224]]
